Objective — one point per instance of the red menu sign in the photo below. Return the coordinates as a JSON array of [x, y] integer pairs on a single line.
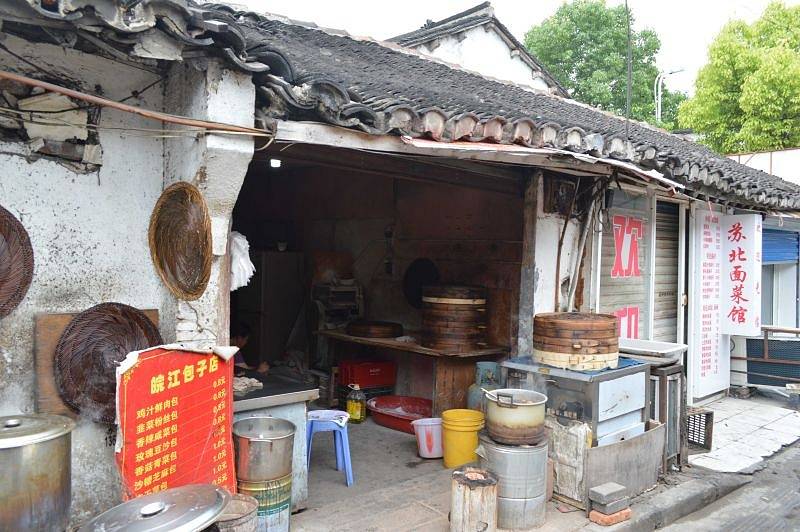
[[174, 411]]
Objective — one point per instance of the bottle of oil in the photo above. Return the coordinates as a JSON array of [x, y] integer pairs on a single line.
[[356, 404]]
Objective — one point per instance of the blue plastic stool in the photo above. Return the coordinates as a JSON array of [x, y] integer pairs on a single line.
[[331, 421]]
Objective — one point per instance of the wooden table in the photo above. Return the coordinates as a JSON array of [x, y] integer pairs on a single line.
[[453, 372]]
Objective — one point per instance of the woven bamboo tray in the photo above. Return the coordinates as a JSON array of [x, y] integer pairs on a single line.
[[16, 262]]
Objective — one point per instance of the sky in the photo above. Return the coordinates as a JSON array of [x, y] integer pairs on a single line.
[[685, 27]]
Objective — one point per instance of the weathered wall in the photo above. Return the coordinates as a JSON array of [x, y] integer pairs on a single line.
[[89, 236], [216, 165], [89, 230], [487, 53]]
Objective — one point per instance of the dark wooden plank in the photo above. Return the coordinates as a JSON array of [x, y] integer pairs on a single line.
[[452, 378], [528, 268], [411, 348]]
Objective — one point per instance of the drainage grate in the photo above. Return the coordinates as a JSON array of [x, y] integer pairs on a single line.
[[699, 427]]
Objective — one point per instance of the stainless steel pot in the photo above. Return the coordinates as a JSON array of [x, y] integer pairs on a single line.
[[521, 469], [189, 508], [515, 417], [35, 472], [264, 447]]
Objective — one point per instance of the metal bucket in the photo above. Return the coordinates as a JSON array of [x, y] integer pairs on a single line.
[[264, 447], [274, 502], [521, 470], [521, 514], [240, 515], [35, 472]]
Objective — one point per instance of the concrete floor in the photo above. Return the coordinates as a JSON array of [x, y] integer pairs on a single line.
[[397, 491], [746, 431], [394, 489]]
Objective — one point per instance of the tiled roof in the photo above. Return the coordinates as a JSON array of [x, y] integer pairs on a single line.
[[480, 15], [305, 73]]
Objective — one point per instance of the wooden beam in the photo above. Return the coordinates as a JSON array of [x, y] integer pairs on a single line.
[[528, 280], [396, 167]]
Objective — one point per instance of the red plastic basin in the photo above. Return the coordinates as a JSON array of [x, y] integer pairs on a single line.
[[398, 411]]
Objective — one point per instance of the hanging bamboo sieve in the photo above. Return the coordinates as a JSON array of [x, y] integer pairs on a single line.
[[89, 351], [180, 240], [16, 262]]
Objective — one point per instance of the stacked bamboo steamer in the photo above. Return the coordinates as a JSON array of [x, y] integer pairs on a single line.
[[576, 341], [454, 318]]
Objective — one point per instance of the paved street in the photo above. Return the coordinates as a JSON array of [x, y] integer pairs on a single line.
[[770, 502]]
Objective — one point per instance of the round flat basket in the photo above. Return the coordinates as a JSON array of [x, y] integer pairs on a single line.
[[16, 262], [89, 351], [180, 240]]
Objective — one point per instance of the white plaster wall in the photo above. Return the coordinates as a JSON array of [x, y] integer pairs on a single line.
[[782, 163], [548, 231], [89, 236], [487, 53], [216, 165]]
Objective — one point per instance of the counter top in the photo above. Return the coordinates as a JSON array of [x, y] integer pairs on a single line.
[[277, 391], [391, 343]]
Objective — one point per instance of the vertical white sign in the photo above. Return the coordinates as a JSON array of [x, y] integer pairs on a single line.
[[740, 298], [709, 360]]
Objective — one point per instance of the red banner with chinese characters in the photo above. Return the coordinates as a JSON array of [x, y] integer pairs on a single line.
[[174, 411]]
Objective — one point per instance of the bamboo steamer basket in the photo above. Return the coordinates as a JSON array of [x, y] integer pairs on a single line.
[[576, 341], [454, 318]]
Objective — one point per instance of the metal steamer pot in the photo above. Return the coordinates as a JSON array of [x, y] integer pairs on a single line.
[[264, 447], [35, 472], [515, 417], [190, 508], [521, 469]]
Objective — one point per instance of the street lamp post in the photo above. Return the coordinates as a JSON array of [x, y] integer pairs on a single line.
[[658, 86]]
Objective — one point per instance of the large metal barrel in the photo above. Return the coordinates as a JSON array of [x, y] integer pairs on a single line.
[[264, 447], [454, 318], [522, 481], [35, 472], [576, 341], [274, 502], [520, 469]]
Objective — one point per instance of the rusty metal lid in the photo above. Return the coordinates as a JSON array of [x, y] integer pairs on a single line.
[[18, 431], [185, 509]]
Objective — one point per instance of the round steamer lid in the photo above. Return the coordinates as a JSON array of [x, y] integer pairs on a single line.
[[184, 509], [17, 431]]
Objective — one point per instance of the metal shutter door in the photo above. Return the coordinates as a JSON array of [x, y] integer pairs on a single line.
[[665, 314], [779, 246], [624, 263]]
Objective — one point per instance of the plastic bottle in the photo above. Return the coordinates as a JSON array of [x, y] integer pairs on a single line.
[[356, 404]]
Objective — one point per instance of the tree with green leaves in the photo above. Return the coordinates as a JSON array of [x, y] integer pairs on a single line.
[[584, 45], [747, 98]]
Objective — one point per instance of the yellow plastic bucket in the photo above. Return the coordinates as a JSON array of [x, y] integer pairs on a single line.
[[460, 428]]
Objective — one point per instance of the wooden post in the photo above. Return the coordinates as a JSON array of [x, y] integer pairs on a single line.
[[473, 503], [527, 278]]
